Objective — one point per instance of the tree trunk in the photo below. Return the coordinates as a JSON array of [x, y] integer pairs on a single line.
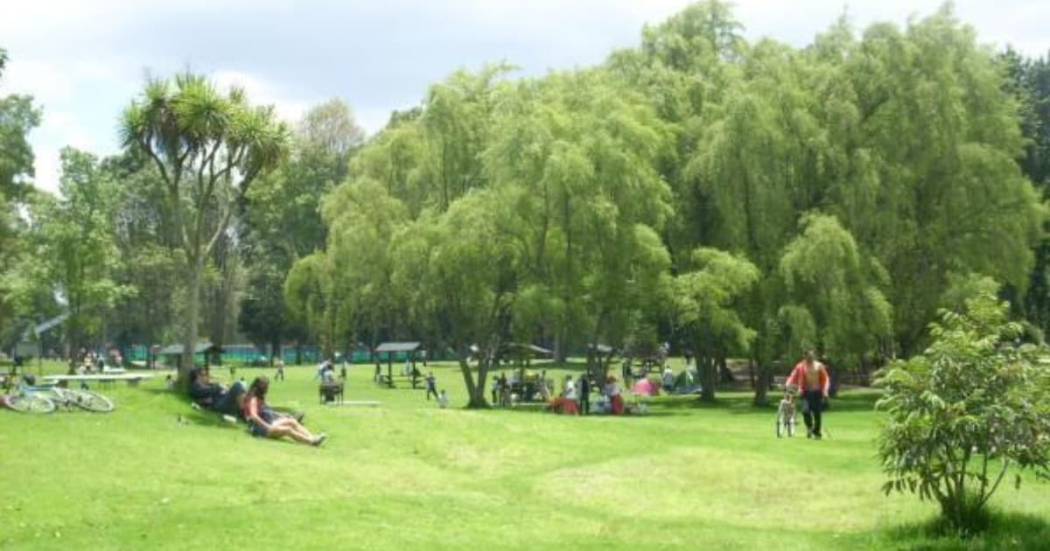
[[708, 377], [189, 335], [475, 390], [762, 385]]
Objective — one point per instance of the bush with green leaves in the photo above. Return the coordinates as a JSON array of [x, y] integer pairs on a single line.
[[974, 405]]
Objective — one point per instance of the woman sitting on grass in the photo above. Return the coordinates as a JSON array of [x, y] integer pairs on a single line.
[[263, 422]]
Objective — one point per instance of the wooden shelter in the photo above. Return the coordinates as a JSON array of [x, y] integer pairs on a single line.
[[212, 353], [391, 349], [522, 354]]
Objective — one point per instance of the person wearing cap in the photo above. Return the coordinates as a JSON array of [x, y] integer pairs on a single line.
[[811, 379]]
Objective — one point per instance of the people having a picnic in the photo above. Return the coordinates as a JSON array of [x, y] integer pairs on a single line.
[[810, 377], [667, 379], [613, 392], [215, 396], [263, 422], [432, 386], [566, 402]]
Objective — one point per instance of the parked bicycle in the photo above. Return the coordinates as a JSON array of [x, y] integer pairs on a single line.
[[33, 398]]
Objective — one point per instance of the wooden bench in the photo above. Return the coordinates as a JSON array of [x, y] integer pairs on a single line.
[[330, 392]]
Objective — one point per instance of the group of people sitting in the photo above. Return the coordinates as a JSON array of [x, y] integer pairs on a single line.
[[96, 363], [249, 403], [575, 398]]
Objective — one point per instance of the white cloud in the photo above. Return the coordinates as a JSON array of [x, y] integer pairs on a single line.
[[262, 92], [48, 167]]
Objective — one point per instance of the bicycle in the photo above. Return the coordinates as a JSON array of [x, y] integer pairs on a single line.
[[34, 398], [26, 402]]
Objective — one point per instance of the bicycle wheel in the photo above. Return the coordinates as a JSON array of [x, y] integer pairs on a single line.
[[91, 401], [791, 427], [780, 426], [29, 403]]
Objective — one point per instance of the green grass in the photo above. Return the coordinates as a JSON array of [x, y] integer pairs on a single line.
[[407, 475]]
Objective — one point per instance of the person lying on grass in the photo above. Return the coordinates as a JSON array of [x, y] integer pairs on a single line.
[[213, 396], [262, 421]]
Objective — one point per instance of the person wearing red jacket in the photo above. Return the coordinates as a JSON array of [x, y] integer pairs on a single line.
[[811, 379]]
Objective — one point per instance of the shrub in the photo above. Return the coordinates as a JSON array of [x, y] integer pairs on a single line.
[[962, 413]]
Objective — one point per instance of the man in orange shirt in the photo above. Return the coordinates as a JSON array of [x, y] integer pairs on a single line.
[[810, 377]]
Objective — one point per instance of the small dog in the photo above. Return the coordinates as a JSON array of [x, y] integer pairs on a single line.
[[786, 411]]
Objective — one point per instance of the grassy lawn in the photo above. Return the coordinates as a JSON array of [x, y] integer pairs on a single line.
[[407, 475]]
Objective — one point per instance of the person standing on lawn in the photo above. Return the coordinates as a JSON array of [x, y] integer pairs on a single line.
[[585, 393], [432, 386], [811, 378]]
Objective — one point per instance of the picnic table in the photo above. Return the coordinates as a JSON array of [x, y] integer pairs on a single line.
[[133, 379]]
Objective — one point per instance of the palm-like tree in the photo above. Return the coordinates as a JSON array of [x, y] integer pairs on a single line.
[[208, 147]]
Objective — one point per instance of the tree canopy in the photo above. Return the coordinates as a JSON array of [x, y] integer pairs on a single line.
[[729, 196]]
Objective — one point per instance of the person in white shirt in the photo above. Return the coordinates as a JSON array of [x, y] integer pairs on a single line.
[[570, 389], [442, 400]]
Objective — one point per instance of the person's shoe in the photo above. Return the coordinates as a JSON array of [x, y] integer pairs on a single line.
[[319, 440], [818, 437], [809, 434]]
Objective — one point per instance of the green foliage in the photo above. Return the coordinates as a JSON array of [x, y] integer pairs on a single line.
[[966, 410], [704, 303], [17, 117], [834, 293], [74, 250], [282, 224], [459, 274]]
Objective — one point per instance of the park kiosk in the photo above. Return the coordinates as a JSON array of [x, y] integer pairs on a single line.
[[172, 354], [392, 349]]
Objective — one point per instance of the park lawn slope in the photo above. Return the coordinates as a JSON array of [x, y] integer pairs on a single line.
[[406, 475]]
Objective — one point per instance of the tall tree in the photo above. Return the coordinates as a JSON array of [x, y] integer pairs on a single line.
[[1030, 82], [282, 222], [460, 274], [17, 117], [208, 147], [833, 293], [75, 248], [705, 304], [145, 236]]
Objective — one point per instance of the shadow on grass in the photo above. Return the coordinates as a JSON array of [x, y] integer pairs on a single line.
[[194, 416], [1006, 531], [738, 403], [743, 403]]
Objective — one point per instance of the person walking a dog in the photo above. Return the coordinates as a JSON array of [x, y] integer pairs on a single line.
[[811, 379]]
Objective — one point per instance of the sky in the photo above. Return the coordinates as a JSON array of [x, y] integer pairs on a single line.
[[84, 60]]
